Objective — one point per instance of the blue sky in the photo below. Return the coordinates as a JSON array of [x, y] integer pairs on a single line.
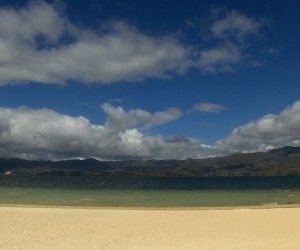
[[120, 80]]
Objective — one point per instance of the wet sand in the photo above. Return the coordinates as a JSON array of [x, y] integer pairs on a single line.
[[90, 228]]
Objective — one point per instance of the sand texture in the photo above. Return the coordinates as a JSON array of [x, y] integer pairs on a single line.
[[64, 228]]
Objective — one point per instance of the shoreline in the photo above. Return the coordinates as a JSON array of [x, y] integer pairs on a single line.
[[45, 228], [153, 208]]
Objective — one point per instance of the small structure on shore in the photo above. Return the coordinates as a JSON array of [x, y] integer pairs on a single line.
[[8, 172]]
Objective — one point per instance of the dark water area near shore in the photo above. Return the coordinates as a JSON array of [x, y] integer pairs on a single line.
[[155, 183]]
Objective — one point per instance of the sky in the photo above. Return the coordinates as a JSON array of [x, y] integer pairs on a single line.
[[125, 80]]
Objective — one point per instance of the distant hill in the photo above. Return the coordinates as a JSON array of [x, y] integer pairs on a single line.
[[286, 150], [278, 162]]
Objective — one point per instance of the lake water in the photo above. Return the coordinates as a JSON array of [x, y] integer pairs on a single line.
[[132, 191]]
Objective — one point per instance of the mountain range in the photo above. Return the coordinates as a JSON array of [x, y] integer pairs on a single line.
[[278, 162]]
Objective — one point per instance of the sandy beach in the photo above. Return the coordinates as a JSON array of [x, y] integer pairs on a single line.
[[81, 228]]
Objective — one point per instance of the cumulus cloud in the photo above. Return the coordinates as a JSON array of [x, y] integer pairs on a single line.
[[208, 108], [45, 134], [38, 43], [270, 131], [34, 47]]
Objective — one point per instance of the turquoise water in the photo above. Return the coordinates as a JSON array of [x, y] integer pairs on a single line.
[[155, 192]]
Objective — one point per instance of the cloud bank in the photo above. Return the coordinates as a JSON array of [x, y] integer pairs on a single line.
[[270, 131], [39, 44], [45, 134]]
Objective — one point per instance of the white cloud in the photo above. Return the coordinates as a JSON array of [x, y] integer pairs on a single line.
[[220, 59], [269, 131], [39, 44], [119, 119], [46, 134], [231, 31], [31, 50], [24, 25], [208, 108], [219, 55], [235, 24]]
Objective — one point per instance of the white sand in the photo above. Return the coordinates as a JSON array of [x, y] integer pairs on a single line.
[[64, 228]]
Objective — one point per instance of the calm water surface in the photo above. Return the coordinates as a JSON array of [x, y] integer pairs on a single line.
[[124, 191]]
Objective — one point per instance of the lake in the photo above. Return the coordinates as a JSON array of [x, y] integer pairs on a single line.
[[134, 191]]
